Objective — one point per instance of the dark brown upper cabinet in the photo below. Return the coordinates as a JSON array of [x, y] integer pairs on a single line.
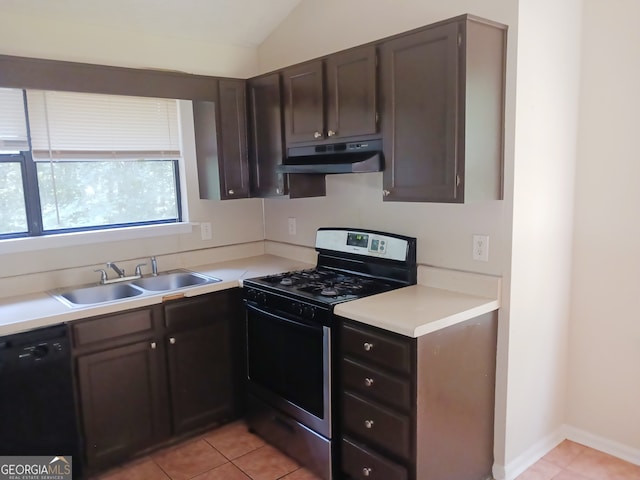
[[266, 148], [442, 90], [221, 143], [351, 91], [266, 144], [345, 108]]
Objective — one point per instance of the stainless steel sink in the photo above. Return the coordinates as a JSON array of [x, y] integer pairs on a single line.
[[83, 296], [173, 280], [111, 292]]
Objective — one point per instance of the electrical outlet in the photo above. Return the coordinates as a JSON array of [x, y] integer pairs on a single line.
[[292, 225], [481, 248], [205, 230]]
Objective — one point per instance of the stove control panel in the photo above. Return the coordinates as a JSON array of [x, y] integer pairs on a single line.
[[366, 243]]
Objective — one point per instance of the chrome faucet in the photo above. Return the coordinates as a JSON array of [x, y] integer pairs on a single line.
[[154, 266], [116, 269]]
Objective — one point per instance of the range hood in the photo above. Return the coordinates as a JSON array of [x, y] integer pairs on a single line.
[[352, 157]]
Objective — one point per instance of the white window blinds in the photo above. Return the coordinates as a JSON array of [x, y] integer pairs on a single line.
[[13, 125], [85, 126]]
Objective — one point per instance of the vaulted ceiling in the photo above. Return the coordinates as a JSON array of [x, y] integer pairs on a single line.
[[233, 22]]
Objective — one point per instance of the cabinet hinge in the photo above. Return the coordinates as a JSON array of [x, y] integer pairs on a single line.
[[459, 39]]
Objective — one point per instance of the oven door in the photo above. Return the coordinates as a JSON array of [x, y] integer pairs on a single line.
[[289, 366]]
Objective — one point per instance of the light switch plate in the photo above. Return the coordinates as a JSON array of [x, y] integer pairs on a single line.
[[205, 230]]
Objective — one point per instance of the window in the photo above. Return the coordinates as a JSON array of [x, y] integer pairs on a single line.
[[95, 161]]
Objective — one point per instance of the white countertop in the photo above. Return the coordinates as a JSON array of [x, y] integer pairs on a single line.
[[416, 310], [26, 312], [442, 298]]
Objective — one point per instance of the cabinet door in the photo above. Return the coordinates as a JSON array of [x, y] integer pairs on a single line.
[[351, 92], [201, 376], [123, 401], [232, 147], [265, 136], [304, 102], [420, 87]]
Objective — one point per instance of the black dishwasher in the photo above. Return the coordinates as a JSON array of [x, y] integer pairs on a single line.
[[37, 405]]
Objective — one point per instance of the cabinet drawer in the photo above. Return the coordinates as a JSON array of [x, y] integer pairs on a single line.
[[375, 384], [387, 350], [362, 464], [377, 425], [112, 327]]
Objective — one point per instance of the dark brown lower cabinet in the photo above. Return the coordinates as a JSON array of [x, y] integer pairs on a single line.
[[201, 366], [123, 402], [418, 408], [149, 374]]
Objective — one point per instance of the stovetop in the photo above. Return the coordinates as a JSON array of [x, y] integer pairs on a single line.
[[322, 285]]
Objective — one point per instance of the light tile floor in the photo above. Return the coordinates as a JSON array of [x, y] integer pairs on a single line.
[[232, 453], [227, 453], [572, 461]]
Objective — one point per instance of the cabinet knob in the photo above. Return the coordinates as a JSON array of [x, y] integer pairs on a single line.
[[231, 192], [153, 345], [277, 191], [366, 471], [317, 135], [385, 193], [367, 346], [331, 133], [368, 381], [368, 424], [172, 341]]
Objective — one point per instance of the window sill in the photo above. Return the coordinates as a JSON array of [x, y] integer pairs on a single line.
[[16, 245]]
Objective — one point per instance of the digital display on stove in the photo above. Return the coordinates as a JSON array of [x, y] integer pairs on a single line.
[[357, 239]]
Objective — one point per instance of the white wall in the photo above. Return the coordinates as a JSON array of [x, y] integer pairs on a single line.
[[543, 187], [604, 385], [52, 38]]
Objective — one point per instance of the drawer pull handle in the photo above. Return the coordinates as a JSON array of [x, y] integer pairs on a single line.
[[368, 381], [153, 345], [366, 471], [368, 346], [368, 423]]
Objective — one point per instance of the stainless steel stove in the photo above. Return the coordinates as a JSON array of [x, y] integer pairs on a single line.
[[291, 339]]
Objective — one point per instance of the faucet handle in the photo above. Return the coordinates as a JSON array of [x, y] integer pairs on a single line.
[[154, 266], [139, 269], [103, 275]]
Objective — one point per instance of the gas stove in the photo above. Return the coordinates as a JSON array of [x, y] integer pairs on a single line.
[[291, 336], [351, 264], [323, 285]]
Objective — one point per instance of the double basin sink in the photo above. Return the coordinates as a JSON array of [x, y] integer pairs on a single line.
[[104, 293]]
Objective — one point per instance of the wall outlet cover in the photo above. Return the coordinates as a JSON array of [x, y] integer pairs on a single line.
[[481, 248]]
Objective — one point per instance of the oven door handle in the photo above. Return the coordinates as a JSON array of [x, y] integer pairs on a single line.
[[281, 318]]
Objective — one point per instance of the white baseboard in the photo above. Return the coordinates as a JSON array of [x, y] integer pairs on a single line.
[[529, 457], [548, 443], [603, 444]]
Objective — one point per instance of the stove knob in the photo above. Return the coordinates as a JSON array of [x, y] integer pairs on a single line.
[[296, 308], [309, 313], [262, 298], [252, 295]]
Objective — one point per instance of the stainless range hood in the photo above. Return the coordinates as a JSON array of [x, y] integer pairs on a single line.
[[352, 157]]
